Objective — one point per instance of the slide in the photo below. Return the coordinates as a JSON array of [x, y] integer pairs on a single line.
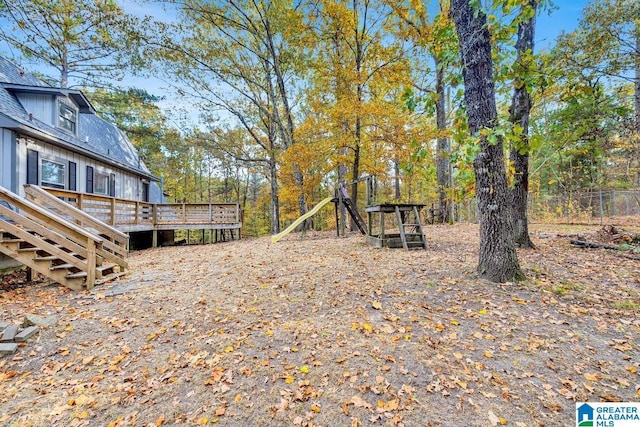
[[297, 222]]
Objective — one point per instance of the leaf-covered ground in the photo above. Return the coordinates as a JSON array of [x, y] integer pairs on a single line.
[[327, 331]]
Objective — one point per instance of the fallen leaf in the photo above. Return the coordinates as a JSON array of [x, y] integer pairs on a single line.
[[493, 419], [377, 305], [591, 377]]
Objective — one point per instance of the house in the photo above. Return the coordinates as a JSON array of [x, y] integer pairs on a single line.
[[52, 137], [100, 198]]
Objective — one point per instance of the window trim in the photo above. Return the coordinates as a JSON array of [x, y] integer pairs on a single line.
[[63, 184], [62, 119], [107, 177]]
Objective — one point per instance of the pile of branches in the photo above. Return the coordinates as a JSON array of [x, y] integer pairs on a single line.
[[614, 238]]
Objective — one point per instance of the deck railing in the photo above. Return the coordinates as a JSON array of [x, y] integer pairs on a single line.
[[115, 241], [132, 215]]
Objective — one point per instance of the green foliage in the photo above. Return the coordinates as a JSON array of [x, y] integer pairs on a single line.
[[83, 40]]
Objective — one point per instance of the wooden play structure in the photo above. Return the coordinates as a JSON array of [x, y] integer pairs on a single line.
[[407, 215], [407, 232]]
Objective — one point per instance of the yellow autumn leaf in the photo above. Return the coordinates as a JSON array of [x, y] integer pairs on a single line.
[[202, 421], [315, 408], [377, 305], [367, 327], [294, 349], [228, 349], [289, 380], [488, 354], [269, 333], [632, 369], [304, 369], [238, 398], [82, 415], [454, 322], [160, 420], [591, 377], [483, 311]]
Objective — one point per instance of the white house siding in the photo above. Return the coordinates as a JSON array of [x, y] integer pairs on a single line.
[[7, 159], [128, 185], [41, 106]]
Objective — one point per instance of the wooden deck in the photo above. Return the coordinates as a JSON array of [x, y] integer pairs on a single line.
[[132, 216]]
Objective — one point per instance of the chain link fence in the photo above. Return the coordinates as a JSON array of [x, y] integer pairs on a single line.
[[584, 207]]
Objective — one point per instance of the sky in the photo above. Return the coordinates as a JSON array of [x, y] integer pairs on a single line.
[[564, 16]]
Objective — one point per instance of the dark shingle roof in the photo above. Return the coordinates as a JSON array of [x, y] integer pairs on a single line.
[[96, 137]]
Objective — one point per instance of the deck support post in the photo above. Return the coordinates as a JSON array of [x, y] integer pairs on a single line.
[[91, 264]]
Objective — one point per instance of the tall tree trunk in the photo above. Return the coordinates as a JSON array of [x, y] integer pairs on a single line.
[[275, 203], [519, 115], [396, 178], [442, 153], [355, 172], [498, 258], [287, 128]]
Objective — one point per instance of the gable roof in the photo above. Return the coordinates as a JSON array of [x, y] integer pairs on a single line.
[[97, 138]]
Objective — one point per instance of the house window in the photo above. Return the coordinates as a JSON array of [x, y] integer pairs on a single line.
[[101, 183], [52, 174], [67, 118]]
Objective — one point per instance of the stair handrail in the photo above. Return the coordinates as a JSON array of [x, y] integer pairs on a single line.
[[119, 239], [46, 218], [22, 204]]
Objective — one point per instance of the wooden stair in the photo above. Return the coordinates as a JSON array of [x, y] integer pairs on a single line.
[[343, 196], [53, 246], [353, 211], [411, 234]]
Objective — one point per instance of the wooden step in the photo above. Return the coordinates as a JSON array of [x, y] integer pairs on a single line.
[[45, 258], [11, 240], [78, 275], [110, 277], [32, 249], [105, 270], [61, 266]]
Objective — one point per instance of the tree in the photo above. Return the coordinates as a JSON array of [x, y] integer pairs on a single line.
[[437, 37], [358, 68], [498, 258], [519, 118], [606, 44], [242, 57], [86, 40]]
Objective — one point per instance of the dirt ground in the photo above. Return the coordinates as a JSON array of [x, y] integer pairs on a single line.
[[327, 331]]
